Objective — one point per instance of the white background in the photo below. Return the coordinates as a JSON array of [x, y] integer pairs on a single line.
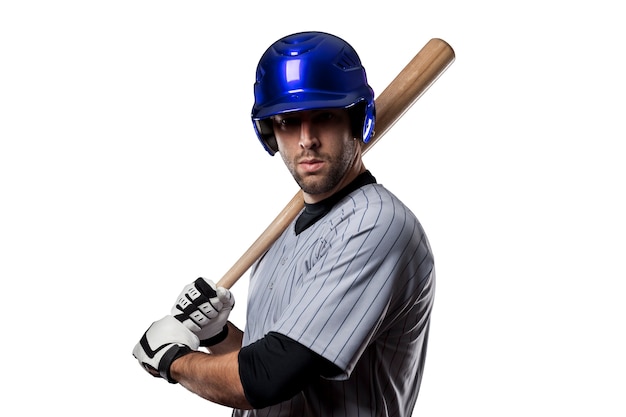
[[128, 167]]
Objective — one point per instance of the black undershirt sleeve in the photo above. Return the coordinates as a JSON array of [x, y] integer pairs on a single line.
[[275, 368]]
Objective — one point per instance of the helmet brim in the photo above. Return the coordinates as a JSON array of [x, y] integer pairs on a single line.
[[298, 101]]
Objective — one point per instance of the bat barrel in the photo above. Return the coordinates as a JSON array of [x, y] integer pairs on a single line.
[[409, 85]]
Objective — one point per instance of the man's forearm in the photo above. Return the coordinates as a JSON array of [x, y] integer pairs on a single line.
[[214, 377], [231, 343]]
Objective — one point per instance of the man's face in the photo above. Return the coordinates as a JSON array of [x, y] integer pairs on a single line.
[[317, 147]]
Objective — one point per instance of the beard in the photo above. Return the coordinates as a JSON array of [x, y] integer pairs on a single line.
[[326, 180]]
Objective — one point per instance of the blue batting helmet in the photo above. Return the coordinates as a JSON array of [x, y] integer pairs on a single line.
[[306, 71]]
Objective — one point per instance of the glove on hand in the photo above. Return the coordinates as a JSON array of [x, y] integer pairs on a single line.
[[165, 341], [203, 308]]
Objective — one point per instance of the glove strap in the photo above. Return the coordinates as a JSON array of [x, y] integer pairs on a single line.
[[218, 338], [170, 356]]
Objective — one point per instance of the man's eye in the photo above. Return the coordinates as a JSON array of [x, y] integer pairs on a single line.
[[286, 122], [325, 116]]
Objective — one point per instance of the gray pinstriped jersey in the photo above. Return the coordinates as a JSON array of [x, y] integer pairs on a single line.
[[356, 287]]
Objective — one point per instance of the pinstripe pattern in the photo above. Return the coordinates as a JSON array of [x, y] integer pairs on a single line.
[[357, 288]]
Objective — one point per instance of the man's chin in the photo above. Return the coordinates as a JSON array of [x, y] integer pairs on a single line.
[[313, 184]]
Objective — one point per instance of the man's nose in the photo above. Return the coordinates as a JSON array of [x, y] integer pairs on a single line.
[[308, 135]]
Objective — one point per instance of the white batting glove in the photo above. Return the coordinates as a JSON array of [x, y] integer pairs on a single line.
[[204, 309], [165, 341]]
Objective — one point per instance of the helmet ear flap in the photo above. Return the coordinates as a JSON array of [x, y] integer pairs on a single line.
[[265, 132], [369, 121], [363, 117]]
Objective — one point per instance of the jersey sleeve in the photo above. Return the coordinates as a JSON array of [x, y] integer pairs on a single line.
[[275, 368]]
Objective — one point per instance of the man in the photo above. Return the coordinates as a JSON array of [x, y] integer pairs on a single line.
[[339, 307]]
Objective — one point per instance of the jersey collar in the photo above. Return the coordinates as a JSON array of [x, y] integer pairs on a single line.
[[314, 212]]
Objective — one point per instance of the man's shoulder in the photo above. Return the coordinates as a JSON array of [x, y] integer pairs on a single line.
[[372, 203], [375, 196]]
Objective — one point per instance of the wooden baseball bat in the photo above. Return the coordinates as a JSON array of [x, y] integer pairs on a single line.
[[408, 86]]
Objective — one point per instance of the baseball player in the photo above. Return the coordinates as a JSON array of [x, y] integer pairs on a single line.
[[339, 307]]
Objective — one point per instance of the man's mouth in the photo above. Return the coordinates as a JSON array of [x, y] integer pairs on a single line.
[[311, 165]]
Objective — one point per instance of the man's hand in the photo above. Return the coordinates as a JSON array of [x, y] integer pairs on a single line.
[[203, 308], [165, 341]]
